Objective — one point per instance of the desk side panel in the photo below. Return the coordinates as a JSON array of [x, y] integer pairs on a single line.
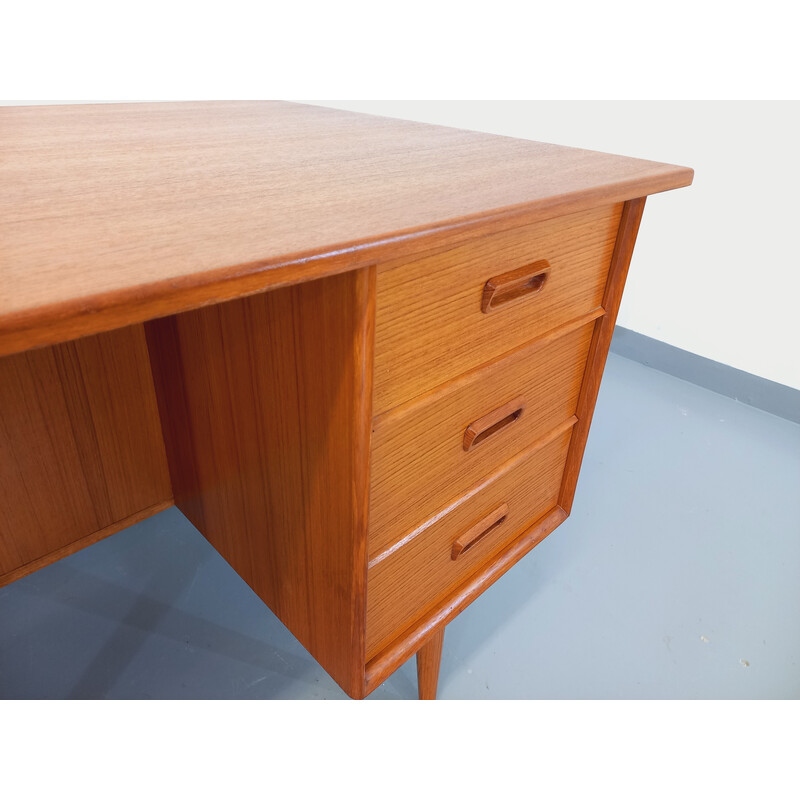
[[601, 341], [266, 406], [81, 453]]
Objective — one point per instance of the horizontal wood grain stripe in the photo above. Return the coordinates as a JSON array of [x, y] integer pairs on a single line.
[[430, 327], [419, 463], [418, 459], [416, 576], [399, 412], [382, 665], [477, 487]]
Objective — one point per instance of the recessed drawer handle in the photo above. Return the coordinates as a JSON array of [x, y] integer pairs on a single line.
[[480, 430], [478, 531], [504, 289]]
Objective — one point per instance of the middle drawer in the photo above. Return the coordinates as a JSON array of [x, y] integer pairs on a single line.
[[409, 583], [429, 452]]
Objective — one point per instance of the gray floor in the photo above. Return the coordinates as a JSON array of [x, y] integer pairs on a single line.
[[677, 576]]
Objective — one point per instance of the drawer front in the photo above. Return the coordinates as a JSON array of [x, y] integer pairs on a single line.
[[412, 580], [428, 453], [449, 312]]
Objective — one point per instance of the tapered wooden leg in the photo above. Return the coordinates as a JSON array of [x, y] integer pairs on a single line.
[[428, 660]]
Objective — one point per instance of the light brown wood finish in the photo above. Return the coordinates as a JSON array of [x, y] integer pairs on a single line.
[[500, 267], [429, 658], [80, 447], [394, 653], [601, 341], [430, 327], [268, 403], [404, 586], [114, 214], [402, 648], [418, 461]]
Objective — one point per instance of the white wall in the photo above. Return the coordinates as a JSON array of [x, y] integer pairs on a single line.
[[716, 269]]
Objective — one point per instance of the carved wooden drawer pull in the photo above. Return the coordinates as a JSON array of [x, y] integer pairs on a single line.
[[479, 531], [515, 285], [493, 422]]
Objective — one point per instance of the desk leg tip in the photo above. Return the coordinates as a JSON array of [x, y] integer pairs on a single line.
[[429, 657]]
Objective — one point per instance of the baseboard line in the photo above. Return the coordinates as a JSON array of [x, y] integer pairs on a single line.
[[783, 401]]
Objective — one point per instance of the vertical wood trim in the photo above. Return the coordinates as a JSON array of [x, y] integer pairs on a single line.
[[266, 410], [365, 359], [598, 350]]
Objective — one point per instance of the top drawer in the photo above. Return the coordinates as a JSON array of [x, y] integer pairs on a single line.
[[430, 326]]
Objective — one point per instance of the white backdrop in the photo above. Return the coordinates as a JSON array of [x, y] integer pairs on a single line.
[[151, 50], [716, 268]]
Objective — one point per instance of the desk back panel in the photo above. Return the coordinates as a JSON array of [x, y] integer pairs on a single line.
[[81, 452]]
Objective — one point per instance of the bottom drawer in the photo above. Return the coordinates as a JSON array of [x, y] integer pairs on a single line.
[[412, 580]]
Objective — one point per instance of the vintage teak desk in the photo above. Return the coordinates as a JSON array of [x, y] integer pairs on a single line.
[[360, 355]]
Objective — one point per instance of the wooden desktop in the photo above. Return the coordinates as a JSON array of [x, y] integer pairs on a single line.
[[360, 355]]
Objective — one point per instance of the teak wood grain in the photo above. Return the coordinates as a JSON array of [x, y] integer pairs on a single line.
[[267, 404], [401, 649], [429, 658], [403, 587], [114, 214], [80, 446], [418, 461], [601, 341], [373, 441], [430, 326], [394, 653]]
